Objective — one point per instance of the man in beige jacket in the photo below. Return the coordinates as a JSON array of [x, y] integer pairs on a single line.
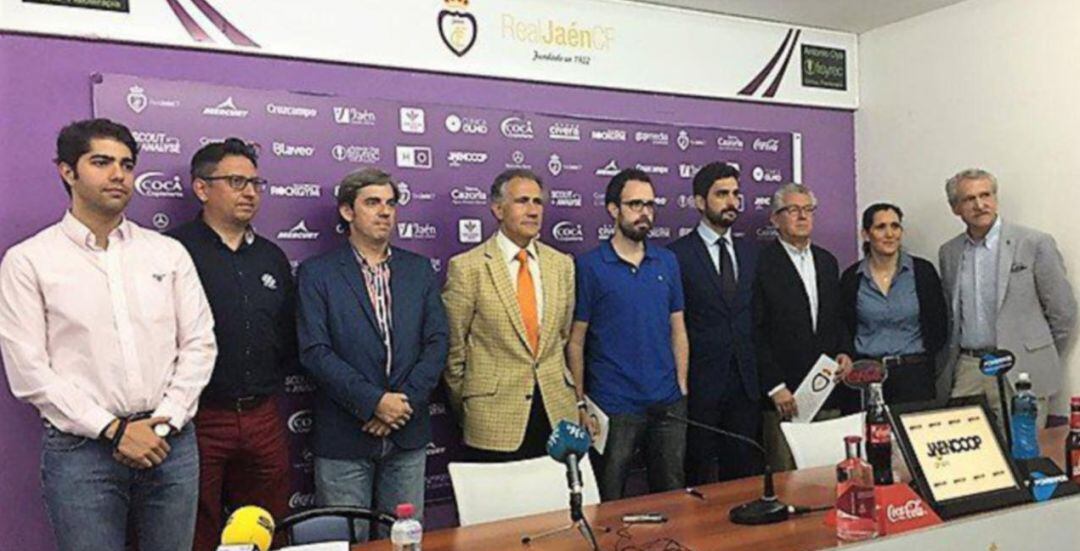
[[510, 302]]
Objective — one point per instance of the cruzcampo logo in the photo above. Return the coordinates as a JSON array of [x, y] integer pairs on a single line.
[[824, 67], [457, 27]]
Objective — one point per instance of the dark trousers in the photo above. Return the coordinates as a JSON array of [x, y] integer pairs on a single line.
[[910, 383], [533, 445], [712, 457], [662, 440], [243, 460]]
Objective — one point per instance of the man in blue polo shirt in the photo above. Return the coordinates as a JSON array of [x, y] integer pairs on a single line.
[[628, 343]]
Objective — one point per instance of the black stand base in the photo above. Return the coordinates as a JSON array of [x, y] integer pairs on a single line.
[[581, 526], [760, 511]]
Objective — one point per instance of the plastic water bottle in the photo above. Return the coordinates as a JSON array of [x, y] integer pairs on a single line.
[[1024, 412], [406, 533]]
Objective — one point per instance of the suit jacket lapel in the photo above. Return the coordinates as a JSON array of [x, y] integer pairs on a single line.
[[701, 251], [954, 255], [1006, 251], [500, 278], [350, 270], [746, 273], [793, 273], [818, 282], [548, 287], [400, 285]]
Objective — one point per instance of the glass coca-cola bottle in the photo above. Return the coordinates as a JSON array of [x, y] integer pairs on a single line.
[[878, 437], [854, 495], [1072, 443]]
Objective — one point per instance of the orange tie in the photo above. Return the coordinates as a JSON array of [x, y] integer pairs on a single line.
[[526, 296]]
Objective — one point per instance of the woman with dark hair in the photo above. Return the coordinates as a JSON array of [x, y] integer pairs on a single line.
[[893, 306]]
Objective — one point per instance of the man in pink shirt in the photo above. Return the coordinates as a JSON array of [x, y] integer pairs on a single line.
[[105, 329]]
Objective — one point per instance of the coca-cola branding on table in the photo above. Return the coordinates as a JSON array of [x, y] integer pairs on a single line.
[[911, 510]]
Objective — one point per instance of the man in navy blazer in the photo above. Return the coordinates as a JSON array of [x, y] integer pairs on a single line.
[[373, 335], [717, 277]]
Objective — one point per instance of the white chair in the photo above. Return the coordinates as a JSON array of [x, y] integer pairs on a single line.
[[822, 443], [486, 492]]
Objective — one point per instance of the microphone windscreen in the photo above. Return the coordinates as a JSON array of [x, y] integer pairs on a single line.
[[249, 524], [568, 439]]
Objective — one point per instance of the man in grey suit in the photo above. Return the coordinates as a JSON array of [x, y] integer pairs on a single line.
[[1007, 289]]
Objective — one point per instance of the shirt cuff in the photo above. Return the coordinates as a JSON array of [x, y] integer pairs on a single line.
[[96, 420], [177, 416], [777, 388]]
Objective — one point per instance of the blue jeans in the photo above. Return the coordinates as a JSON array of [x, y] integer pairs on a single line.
[[392, 477], [90, 496], [663, 440]]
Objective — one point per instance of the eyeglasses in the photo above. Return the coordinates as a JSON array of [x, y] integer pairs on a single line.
[[795, 210], [638, 205], [238, 182]]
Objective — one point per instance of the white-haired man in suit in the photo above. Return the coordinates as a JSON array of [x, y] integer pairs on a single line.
[[1007, 289]]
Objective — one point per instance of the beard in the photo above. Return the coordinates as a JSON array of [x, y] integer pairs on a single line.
[[720, 217], [633, 232]]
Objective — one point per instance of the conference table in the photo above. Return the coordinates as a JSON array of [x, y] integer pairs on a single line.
[[702, 524]]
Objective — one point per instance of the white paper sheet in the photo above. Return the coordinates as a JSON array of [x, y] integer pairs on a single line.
[[815, 389], [599, 440]]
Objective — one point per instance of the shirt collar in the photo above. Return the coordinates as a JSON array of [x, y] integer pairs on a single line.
[[710, 236], [991, 238], [607, 252], [792, 249], [510, 249], [209, 233], [82, 236], [365, 264]]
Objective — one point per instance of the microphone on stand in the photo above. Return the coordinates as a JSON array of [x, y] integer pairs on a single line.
[[768, 509], [997, 363], [567, 443]]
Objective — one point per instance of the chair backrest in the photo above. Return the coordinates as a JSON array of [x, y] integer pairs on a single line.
[[822, 443], [487, 492], [326, 524]]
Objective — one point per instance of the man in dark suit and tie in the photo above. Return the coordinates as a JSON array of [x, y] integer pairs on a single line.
[[373, 335], [796, 316], [717, 278]]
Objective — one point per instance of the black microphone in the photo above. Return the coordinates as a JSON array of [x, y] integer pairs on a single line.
[[768, 509]]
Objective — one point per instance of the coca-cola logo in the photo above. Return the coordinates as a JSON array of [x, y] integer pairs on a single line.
[[865, 372], [911, 510], [301, 501], [771, 145], [880, 433]]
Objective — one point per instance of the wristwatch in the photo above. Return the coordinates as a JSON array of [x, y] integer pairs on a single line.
[[162, 429]]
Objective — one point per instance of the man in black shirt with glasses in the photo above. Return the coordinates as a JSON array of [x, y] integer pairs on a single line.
[[243, 452]]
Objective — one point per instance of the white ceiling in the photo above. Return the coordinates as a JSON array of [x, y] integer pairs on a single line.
[[854, 16]]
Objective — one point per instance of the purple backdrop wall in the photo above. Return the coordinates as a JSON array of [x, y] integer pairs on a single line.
[[443, 157], [47, 84]]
